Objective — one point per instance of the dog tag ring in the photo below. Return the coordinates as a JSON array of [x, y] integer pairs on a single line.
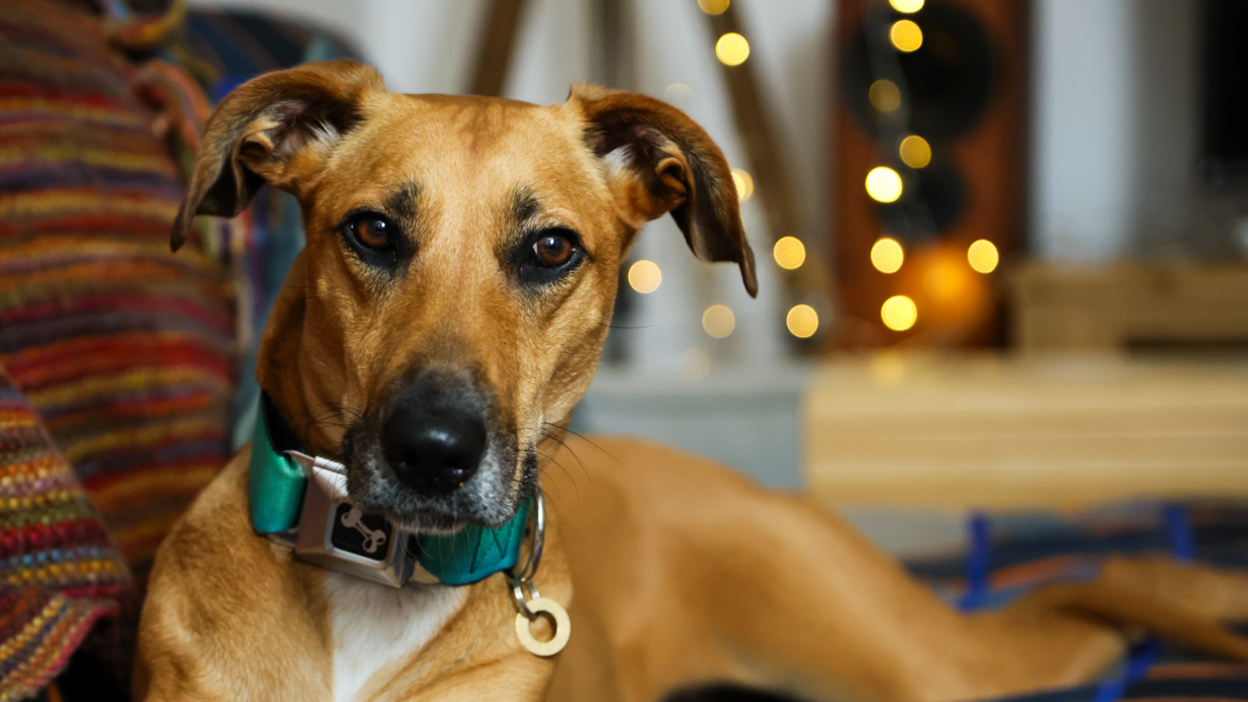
[[520, 581], [563, 627]]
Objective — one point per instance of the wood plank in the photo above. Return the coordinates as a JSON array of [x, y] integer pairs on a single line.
[[1032, 431]]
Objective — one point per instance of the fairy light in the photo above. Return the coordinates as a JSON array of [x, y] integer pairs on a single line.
[[983, 256], [884, 95], [717, 7], [883, 184], [732, 49], [899, 313], [744, 183], [915, 151], [802, 321], [906, 6], [677, 90], [718, 321], [887, 255], [789, 252], [905, 36], [645, 276], [694, 365]]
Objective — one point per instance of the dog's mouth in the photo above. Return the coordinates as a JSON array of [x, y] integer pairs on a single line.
[[437, 457]]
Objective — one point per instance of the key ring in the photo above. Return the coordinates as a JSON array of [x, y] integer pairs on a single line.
[[522, 581]]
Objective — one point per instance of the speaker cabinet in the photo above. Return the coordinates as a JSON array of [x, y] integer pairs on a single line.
[[962, 91]]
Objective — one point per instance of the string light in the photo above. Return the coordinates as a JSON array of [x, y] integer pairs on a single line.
[[694, 365], [905, 35], [802, 321], [983, 256], [884, 95], [718, 321], [732, 49], [716, 7], [899, 313], [887, 255], [906, 6], [789, 252], [676, 90], [915, 151], [645, 277], [744, 183], [883, 184]]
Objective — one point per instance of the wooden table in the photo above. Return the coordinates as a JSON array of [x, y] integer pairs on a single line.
[[989, 431]]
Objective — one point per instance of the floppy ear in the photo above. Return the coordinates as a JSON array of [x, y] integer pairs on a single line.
[[278, 128], [657, 160]]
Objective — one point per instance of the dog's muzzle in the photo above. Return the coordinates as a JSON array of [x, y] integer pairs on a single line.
[[301, 502]]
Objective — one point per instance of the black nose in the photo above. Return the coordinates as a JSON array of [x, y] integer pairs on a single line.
[[432, 444]]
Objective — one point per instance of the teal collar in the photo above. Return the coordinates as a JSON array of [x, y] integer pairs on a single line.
[[279, 487]]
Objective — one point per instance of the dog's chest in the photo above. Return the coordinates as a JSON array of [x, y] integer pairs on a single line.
[[374, 626]]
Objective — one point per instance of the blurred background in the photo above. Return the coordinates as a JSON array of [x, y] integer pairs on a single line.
[[1004, 245]]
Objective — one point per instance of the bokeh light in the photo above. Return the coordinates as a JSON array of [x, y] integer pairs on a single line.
[[884, 95], [899, 313], [887, 368], [732, 49], [744, 183], [802, 321], [983, 256], [789, 252], [883, 184], [905, 36], [718, 321], [694, 365], [906, 6], [887, 255], [915, 151], [645, 276], [715, 7], [677, 90]]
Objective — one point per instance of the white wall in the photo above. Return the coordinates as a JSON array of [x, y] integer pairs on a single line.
[[1084, 115], [1116, 120]]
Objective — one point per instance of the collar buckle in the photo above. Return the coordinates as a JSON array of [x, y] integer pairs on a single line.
[[335, 534]]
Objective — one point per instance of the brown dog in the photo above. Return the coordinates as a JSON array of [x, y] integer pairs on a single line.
[[444, 319]]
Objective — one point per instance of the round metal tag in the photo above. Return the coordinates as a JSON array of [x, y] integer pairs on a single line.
[[563, 627]]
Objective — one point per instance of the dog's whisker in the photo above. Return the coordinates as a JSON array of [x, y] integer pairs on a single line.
[[579, 462], [571, 479], [586, 439]]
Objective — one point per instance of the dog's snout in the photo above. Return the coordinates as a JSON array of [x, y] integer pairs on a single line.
[[433, 444]]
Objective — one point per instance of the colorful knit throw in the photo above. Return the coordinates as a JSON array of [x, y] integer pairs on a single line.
[[59, 572]]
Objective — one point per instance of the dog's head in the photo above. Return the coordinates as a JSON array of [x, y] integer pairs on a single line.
[[460, 268]]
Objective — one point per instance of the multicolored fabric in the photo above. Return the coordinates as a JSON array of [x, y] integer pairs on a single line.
[[125, 349], [128, 352], [59, 572]]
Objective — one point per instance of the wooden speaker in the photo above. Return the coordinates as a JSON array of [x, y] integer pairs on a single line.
[[936, 98]]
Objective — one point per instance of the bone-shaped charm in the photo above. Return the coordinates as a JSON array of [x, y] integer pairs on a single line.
[[373, 538]]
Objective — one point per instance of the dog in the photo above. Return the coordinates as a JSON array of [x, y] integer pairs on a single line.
[[418, 369]]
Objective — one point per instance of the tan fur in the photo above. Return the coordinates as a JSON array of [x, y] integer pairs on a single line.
[[684, 573]]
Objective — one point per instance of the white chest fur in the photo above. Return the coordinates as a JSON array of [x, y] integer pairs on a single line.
[[375, 625]]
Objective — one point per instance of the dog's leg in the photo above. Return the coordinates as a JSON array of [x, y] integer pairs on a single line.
[[698, 576], [843, 611]]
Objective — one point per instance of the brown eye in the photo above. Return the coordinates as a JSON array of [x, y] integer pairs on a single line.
[[373, 232], [553, 250]]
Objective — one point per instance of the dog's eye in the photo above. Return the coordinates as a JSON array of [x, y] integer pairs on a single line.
[[547, 255], [553, 250], [371, 231]]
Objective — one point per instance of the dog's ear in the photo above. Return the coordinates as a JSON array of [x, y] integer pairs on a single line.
[[657, 160], [276, 128]]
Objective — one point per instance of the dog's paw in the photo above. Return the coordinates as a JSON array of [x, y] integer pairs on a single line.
[[1216, 593]]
